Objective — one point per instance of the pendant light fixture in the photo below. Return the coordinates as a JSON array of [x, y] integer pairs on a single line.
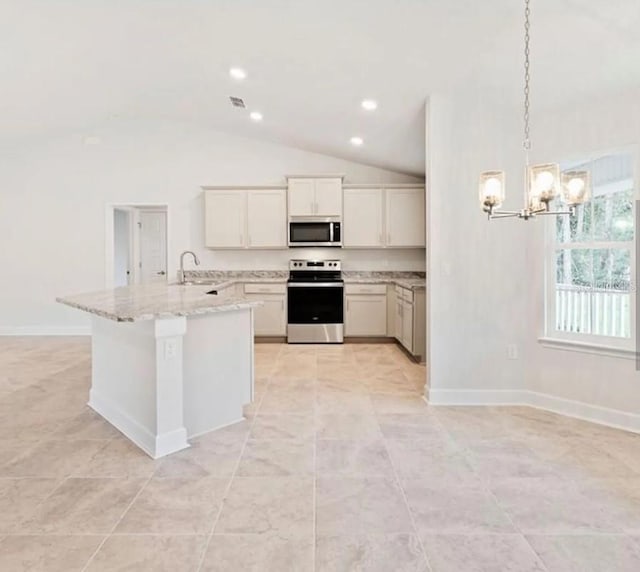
[[542, 183]]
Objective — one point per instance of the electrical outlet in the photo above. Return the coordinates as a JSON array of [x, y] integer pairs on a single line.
[[170, 349], [512, 351]]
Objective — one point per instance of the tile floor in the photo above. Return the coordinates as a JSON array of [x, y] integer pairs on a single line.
[[340, 466]]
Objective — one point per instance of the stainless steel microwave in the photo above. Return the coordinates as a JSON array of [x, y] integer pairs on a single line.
[[315, 231]]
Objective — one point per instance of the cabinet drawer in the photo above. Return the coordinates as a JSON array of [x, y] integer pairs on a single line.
[[265, 288], [365, 289]]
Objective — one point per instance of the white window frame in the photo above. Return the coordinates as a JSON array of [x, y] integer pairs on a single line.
[[591, 343]]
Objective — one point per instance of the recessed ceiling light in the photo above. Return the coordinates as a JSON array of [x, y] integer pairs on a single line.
[[357, 141], [369, 104], [256, 115], [237, 73]]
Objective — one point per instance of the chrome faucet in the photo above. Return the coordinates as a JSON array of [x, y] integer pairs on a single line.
[[181, 273]]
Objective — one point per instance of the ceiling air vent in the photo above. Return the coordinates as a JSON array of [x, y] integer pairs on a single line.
[[237, 102]]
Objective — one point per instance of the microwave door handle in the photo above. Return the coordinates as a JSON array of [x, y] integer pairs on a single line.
[[331, 232]]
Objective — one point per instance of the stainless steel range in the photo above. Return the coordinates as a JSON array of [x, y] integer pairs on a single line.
[[315, 294]]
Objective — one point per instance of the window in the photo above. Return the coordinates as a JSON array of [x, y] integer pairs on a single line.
[[591, 260]]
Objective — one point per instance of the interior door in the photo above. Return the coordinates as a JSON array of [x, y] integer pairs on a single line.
[[153, 246], [122, 247]]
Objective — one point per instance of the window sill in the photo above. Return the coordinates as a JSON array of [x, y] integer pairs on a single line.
[[588, 348]]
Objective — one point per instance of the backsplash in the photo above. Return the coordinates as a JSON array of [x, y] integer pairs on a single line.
[[373, 274], [224, 275], [390, 259]]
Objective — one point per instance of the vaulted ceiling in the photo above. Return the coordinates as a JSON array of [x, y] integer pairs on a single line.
[[67, 65]]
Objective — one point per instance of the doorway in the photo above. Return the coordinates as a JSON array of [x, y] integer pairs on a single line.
[[136, 244]]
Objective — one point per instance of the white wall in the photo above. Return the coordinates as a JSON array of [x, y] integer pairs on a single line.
[[486, 279], [573, 133], [476, 270], [54, 195]]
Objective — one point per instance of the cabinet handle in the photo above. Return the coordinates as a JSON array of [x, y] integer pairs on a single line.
[[388, 238], [282, 305], [381, 239], [347, 305], [241, 240], [249, 241]]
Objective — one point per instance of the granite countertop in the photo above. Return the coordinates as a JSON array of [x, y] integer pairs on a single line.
[[221, 278], [410, 280], [150, 301]]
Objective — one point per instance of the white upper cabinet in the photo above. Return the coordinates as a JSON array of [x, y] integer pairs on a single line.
[[405, 216], [267, 219], [381, 218], [302, 197], [225, 219], [363, 218], [329, 197], [246, 218], [315, 197]]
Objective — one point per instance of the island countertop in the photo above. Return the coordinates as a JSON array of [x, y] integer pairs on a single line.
[[150, 301]]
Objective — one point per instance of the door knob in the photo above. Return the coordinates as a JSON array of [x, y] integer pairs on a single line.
[[161, 273]]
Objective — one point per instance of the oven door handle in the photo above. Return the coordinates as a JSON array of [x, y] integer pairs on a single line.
[[315, 285]]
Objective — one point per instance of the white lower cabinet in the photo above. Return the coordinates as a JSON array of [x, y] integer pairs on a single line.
[[407, 326], [270, 319], [365, 310], [410, 320]]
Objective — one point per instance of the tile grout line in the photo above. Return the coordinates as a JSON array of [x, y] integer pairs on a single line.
[[314, 498], [110, 533], [406, 502], [485, 486], [228, 487]]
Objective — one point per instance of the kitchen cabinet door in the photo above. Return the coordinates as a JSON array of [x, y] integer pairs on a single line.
[[328, 197], [225, 219], [405, 218], [407, 326], [270, 318], [267, 219], [398, 322], [366, 315], [363, 221], [301, 197]]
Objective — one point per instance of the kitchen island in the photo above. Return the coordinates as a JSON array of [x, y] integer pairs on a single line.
[[169, 362]]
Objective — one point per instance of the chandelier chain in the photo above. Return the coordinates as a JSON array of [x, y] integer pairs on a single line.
[[527, 139]]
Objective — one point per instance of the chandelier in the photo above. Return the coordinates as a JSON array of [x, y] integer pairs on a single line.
[[542, 183]]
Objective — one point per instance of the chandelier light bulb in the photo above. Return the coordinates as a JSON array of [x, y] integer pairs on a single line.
[[492, 187], [491, 190], [575, 187], [544, 181]]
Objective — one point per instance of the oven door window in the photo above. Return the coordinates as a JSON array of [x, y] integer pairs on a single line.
[[309, 232], [315, 305]]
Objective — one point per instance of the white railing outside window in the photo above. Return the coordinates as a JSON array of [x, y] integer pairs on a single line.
[[599, 312]]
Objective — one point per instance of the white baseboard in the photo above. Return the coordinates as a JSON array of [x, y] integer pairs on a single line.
[[45, 331], [154, 446], [496, 397], [585, 411]]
